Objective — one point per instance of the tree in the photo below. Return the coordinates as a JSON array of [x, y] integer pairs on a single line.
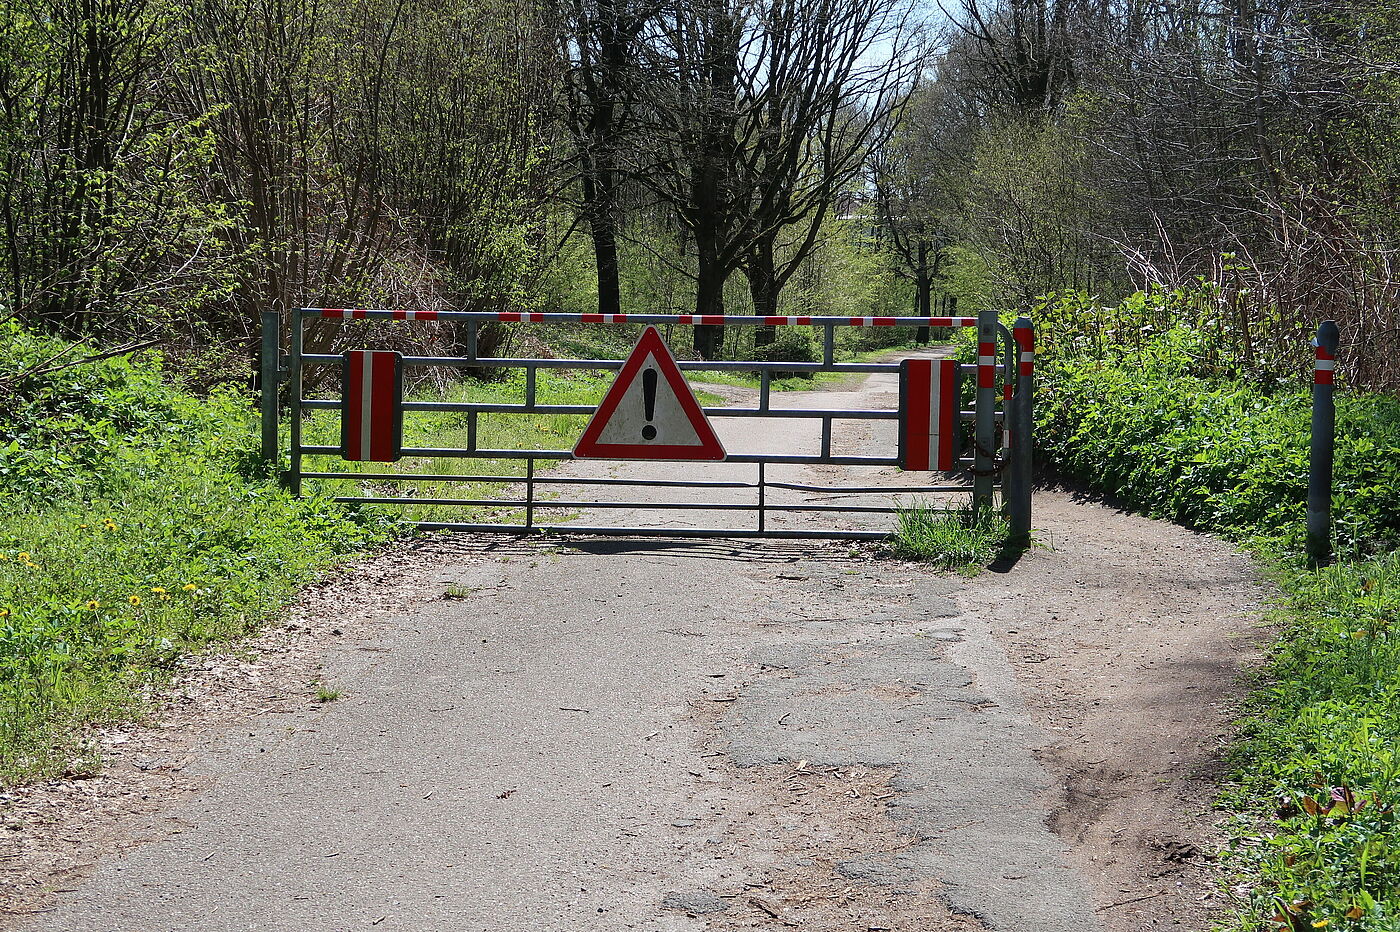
[[599, 46], [823, 87]]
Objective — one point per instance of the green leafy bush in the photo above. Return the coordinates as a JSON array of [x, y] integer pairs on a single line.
[[1221, 456], [129, 538]]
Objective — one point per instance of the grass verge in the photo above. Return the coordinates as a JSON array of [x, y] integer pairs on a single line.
[[136, 530], [957, 538]]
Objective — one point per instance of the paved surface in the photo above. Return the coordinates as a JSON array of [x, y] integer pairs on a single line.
[[658, 736]]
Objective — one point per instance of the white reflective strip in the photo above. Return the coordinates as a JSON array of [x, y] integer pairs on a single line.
[[1028, 357], [1326, 364], [986, 360], [366, 388], [935, 403]]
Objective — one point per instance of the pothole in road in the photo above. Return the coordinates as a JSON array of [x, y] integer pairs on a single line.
[[811, 847]]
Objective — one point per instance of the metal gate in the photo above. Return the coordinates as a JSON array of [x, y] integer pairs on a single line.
[[998, 458]]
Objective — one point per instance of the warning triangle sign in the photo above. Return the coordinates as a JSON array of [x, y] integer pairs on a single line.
[[649, 413]]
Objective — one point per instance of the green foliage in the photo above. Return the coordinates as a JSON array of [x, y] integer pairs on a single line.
[[1318, 758], [130, 541], [1221, 456], [958, 538], [791, 344]]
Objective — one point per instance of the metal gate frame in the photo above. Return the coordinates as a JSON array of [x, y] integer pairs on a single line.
[[995, 454]]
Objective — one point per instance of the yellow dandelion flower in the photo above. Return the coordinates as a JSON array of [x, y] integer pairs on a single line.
[[93, 605], [189, 587], [23, 555], [158, 590], [4, 557], [4, 613], [32, 566], [135, 600], [82, 527]]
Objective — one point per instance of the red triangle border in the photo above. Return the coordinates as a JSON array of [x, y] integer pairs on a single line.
[[650, 344]]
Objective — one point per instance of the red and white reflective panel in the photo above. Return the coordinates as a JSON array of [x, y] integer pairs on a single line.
[[1025, 345], [516, 317], [928, 414], [986, 365], [1325, 367], [371, 422], [345, 313]]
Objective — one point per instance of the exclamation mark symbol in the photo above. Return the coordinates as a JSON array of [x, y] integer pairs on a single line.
[[649, 399]]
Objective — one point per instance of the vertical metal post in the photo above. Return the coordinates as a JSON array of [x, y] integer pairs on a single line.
[[829, 346], [762, 504], [764, 378], [984, 436], [529, 492], [268, 382], [826, 436], [292, 479], [1324, 434], [1022, 420], [530, 388]]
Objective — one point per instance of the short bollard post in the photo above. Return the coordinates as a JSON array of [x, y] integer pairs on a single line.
[[267, 384], [984, 412], [1022, 420], [1324, 431]]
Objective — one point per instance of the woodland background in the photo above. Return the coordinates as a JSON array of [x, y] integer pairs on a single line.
[[169, 170]]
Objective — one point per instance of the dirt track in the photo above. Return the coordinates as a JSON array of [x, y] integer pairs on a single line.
[[648, 735]]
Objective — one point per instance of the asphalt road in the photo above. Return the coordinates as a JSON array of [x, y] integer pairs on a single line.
[[645, 734]]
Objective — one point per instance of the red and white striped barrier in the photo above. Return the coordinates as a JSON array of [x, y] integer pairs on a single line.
[[1025, 346], [361, 313], [928, 414], [691, 320], [371, 413]]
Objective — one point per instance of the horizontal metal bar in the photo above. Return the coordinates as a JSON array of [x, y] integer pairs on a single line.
[[640, 483], [791, 459], [507, 408], [541, 503], [630, 506], [679, 533], [483, 362], [867, 490], [683, 320], [539, 480]]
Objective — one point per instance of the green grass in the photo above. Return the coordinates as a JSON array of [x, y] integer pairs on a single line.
[[1317, 766], [1315, 785], [136, 530], [957, 538]]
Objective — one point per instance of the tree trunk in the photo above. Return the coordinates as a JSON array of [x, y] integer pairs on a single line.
[[923, 284], [710, 274], [763, 287], [598, 196], [709, 299]]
